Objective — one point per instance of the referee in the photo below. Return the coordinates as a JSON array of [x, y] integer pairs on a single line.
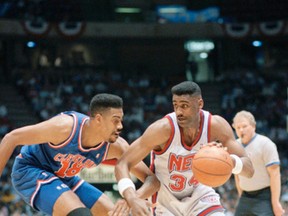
[[259, 195]]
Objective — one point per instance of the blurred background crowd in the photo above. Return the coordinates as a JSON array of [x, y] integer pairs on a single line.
[[43, 74]]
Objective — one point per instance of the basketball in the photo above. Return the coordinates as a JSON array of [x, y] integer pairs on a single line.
[[212, 166]]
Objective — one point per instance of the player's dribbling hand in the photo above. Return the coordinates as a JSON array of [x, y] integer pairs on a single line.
[[121, 208], [214, 143], [141, 207]]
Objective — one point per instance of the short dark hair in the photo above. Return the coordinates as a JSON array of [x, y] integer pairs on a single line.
[[103, 101], [186, 87]]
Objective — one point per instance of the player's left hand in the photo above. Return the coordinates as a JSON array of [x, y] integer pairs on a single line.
[[121, 208], [141, 207]]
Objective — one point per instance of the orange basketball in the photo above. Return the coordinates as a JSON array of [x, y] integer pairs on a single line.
[[212, 166]]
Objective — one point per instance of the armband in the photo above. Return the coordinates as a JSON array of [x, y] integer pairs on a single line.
[[238, 164], [125, 183]]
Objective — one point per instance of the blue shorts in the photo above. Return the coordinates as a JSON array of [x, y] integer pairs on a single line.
[[41, 189]]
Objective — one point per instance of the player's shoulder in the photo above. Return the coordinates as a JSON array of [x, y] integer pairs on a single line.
[[73, 114], [219, 127], [217, 119], [61, 122], [63, 118], [161, 124]]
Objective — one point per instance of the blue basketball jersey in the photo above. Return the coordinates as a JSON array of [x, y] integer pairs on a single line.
[[69, 158], [45, 168]]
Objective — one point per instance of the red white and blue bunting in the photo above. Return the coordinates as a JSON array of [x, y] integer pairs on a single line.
[[36, 28], [70, 30], [238, 30], [272, 28], [266, 29]]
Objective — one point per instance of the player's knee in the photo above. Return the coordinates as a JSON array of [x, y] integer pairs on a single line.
[[80, 212]]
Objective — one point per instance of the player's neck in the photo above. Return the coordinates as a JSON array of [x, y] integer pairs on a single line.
[[90, 139], [90, 143], [190, 135]]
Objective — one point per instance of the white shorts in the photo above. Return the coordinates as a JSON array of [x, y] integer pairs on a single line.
[[203, 201]]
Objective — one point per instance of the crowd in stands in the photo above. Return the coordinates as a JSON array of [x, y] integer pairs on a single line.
[[5, 123], [145, 100]]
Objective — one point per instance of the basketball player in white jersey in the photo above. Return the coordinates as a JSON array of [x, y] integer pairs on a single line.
[[173, 142]]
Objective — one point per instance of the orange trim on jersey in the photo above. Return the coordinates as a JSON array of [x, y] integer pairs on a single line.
[[89, 149], [189, 148], [152, 164], [207, 211], [154, 197], [170, 138], [209, 128], [78, 185], [106, 152], [154, 200], [71, 135], [111, 162]]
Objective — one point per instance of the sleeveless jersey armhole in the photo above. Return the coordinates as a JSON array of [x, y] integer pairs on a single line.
[[166, 146], [70, 137]]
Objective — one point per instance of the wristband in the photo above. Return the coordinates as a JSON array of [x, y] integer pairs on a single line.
[[238, 164], [125, 183]]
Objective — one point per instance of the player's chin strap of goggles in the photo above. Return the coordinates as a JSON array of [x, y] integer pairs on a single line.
[[238, 164], [125, 183]]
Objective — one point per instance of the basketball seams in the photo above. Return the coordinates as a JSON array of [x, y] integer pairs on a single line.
[[224, 169], [212, 166], [211, 174], [216, 159]]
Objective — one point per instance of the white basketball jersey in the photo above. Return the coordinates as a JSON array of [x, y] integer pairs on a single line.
[[173, 164]]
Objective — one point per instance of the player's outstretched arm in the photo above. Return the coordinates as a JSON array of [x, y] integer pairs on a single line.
[[154, 136], [6, 150], [54, 130], [150, 182]]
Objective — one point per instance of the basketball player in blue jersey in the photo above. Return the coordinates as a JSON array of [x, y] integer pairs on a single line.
[[173, 142], [56, 150]]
